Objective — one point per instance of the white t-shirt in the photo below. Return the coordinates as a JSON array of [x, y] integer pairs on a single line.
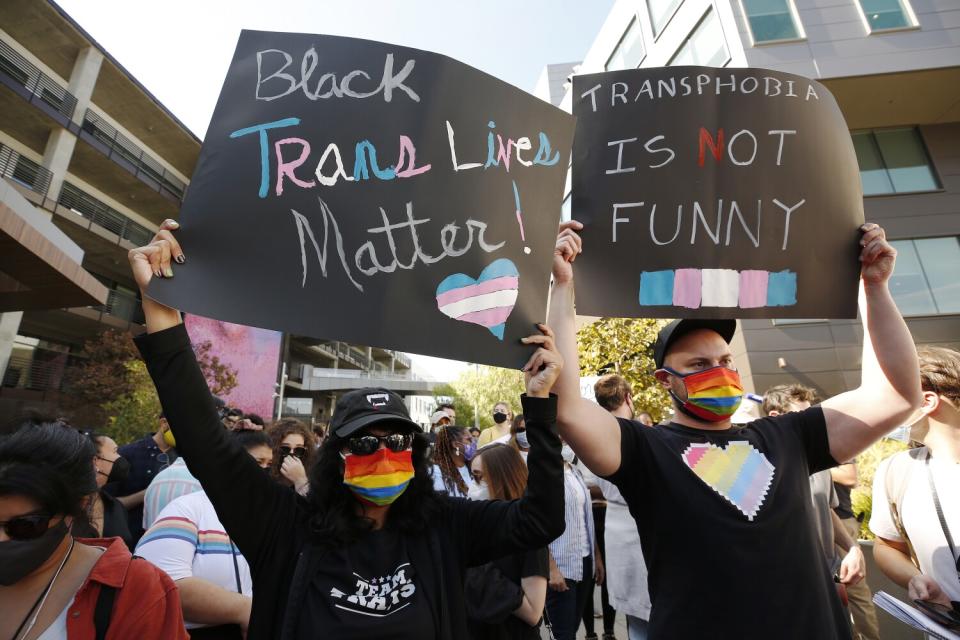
[[919, 516], [441, 487], [187, 540]]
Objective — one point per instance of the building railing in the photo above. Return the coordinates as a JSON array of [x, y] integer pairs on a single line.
[[40, 87], [123, 305], [24, 171], [41, 370], [103, 215], [402, 358], [319, 372], [125, 148]]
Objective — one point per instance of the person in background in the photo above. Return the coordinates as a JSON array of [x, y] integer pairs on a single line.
[[518, 436], [452, 453], [51, 583], [502, 414], [440, 419], [450, 411], [645, 419], [319, 435], [860, 598], [916, 501], [574, 564], [626, 576], [190, 544], [501, 474], [293, 453], [232, 418], [171, 483], [148, 456], [106, 517], [475, 433]]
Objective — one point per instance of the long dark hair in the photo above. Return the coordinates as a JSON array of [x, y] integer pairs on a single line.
[[448, 439], [49, 463], [335, 521], [280, 430]]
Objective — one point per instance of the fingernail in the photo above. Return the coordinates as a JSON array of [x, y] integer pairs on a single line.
[[181, 259], [168, 272], [175, 223], [158, 273]]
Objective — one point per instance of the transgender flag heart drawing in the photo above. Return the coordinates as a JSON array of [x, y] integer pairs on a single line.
[[486, 301], [739, 473]]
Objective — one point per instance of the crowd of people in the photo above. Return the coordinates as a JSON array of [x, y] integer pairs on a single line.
[[219, 525]]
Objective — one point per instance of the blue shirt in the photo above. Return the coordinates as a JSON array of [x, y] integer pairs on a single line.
[[577, 541]]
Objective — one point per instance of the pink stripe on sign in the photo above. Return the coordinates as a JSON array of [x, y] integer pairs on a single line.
[[686, 288], [487, 317], [753, 289], [487, 286]]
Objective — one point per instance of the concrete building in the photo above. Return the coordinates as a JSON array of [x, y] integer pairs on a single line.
[[894, 67], [103, 163]]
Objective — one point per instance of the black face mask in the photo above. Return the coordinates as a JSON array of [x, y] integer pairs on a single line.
[[119, 471], [499, 417], [20, 557]]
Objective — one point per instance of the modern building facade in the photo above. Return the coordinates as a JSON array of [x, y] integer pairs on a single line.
[[99, 157], [894, 68]]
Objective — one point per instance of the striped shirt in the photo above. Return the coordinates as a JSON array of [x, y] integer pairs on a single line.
[[577, 541], [168, 485], [187, 540]]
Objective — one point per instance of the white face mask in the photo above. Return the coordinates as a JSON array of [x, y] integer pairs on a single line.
[[479, 491], [900, 434], [522, 441], [567, 454]]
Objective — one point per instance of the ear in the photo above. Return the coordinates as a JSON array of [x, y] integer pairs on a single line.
[[773, 412], [930, 404], [663, 377]]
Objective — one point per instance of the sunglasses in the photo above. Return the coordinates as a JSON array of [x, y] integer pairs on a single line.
[[27, 527], [296, 452], [367, 445]]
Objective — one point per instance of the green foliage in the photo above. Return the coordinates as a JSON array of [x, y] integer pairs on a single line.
[[133, 414], [861, 497], [463, 408], [625, 346], [483, 387]]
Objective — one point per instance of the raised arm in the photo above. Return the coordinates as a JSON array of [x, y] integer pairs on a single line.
[[889, 390], [246, 499], [591, 432]]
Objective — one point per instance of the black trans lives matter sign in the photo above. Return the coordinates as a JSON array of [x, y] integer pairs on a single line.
[[377, 194], [726, 193]]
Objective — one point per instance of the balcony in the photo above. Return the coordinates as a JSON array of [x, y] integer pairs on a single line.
[[103, 215], [24, 171], [116, 146], [34, 86], [122, 305], [309, 378]]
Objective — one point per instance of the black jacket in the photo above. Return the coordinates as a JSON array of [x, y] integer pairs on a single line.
[[269, 523]]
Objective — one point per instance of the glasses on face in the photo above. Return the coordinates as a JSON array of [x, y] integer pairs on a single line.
[[26, 527], [297, 452], [367, 445]]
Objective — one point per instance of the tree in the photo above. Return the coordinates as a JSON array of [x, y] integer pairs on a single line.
[[463, 408], [625, 346], [484, 386], [221, 378]]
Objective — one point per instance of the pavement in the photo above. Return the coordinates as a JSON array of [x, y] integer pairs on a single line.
[[619, 627]]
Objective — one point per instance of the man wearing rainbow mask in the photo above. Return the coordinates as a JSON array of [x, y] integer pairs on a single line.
[[723, 511]]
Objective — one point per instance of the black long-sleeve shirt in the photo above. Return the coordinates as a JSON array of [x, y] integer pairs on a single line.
[[269, 523]]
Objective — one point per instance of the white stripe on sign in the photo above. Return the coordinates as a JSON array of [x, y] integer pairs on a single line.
[[504, 298]]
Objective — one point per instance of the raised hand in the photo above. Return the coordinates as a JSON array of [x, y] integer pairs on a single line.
[[544, 366], [568, 247], [877, 256], [155, 260]]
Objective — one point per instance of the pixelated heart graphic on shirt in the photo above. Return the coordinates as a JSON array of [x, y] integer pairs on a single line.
[[487, 300], [739, 473]]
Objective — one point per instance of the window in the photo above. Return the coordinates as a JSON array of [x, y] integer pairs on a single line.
[[660, 13], [893, 161], [629, 51], [924, 281], [705, 46], [772, 20], [880, 15]]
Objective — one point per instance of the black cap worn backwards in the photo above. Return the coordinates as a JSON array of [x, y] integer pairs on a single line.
[[364, 407], [679, 328]]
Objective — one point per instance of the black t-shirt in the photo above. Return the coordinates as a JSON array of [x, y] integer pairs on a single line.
[[844, 509], [514, 568], [367, 590], [726, 525]]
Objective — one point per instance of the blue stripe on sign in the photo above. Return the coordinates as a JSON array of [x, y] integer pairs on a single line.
[[782, 289], [656, 288], [456, 281]]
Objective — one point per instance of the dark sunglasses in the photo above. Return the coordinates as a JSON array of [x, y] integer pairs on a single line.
[[297, 452], [367, 445], [26, 527]]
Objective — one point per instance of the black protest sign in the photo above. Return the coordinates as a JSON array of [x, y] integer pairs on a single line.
[[727, 193], [365, 192]]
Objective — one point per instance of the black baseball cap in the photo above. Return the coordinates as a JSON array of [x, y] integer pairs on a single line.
[[679, 328], [364, 407]]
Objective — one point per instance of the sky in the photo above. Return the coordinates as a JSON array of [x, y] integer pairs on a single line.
[[180, 50]]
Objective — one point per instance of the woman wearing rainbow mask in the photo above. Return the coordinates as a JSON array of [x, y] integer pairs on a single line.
[[372, 551]]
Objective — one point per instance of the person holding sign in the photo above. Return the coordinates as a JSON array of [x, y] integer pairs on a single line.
[[372, 551], [723, 511]]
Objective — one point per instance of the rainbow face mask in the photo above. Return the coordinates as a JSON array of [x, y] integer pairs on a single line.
[[712, 394], [379, 478]]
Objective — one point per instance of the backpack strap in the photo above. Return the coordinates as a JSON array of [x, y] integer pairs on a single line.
[[896, 482], [103, 610]]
